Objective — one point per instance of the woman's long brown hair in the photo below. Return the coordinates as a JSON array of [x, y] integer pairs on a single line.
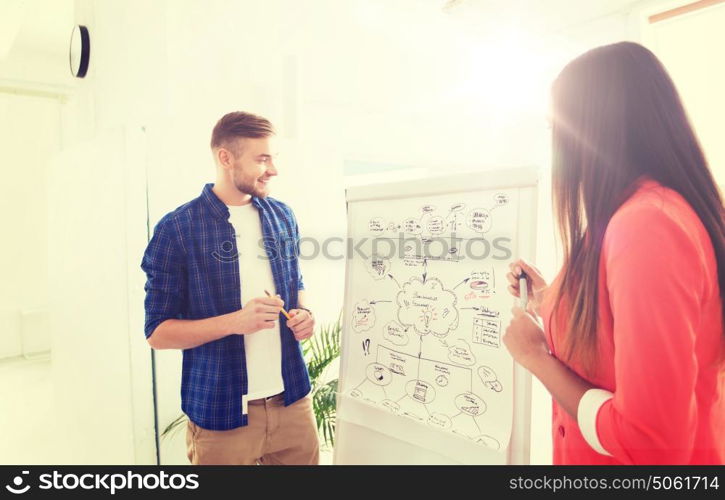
[[617, 116]]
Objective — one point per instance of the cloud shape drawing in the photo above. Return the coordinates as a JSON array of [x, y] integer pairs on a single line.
[[427, 306], [363, 316]]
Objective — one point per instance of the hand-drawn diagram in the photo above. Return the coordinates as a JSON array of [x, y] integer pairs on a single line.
[[363, 317], [432, 315], [427, 306], [378, 267], [489, 379]]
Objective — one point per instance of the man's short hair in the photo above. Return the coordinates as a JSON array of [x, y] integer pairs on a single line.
[[236, 125]]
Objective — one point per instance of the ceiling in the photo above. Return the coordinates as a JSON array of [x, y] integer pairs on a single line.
[[40, 25], [543, 16], [40, 29]]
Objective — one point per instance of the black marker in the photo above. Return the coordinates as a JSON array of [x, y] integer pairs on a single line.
[[523, 290]]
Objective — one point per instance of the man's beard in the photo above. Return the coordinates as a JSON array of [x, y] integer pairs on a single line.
[[248, 187]]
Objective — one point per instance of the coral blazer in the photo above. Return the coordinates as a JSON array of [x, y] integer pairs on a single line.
[[660, 383]]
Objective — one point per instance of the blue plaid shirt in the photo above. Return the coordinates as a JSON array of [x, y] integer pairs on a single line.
[[193, 273]]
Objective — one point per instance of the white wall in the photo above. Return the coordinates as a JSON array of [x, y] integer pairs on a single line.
[[691, 48], [101, 363], [34, 41], [29, 136]]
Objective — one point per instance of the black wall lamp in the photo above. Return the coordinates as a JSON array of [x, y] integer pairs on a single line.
[[80, 51]]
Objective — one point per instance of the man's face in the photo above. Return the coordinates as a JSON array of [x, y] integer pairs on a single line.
[[253, 167]]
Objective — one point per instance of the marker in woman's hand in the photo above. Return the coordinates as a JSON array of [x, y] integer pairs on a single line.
[[523, 290]]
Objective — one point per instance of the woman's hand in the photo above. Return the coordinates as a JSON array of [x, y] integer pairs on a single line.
[[525, 340], [536, 283]]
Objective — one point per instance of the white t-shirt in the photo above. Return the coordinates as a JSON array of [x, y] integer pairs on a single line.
[[263, 348]]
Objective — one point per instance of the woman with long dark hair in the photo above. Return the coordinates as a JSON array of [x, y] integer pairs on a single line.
[[632, 344]]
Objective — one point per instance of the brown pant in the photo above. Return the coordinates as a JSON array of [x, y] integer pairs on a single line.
[[274, 435]]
